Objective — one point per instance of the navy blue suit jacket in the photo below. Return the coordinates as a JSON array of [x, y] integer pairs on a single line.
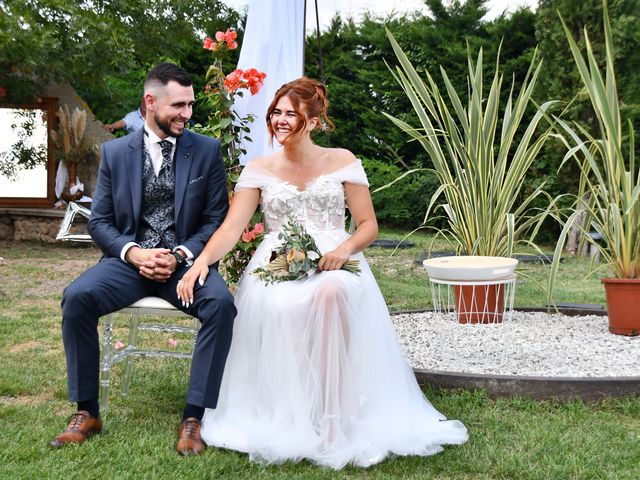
[[201, 198]]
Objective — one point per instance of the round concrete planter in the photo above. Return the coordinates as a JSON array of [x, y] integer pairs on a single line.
[[477, 298], [470, 268]]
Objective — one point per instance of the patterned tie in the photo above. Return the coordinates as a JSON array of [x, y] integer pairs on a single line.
[[166, 146]]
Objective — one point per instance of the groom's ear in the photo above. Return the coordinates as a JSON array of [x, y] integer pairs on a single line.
[[149, 101]]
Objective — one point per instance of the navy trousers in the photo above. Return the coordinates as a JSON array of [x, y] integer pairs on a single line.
[[113, 284]]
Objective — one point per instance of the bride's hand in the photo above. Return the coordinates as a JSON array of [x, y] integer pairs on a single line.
[[334, 260], [198, 271]]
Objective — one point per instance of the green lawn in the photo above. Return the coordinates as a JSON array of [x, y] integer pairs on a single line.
[[509, 438], [405, 285]]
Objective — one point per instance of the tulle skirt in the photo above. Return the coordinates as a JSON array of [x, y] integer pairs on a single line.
[[315, 372]]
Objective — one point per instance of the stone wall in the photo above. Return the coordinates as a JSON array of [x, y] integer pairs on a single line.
[[35, 224]]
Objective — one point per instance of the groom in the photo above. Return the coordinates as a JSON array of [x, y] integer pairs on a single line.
[[161, 193]]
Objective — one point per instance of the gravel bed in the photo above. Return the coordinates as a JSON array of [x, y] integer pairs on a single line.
[[528, 344]]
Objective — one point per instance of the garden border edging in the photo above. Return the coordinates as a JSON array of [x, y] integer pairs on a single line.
[[535, 387]]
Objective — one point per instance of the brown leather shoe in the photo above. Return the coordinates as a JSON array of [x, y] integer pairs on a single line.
[[189, 439], [81, 427]]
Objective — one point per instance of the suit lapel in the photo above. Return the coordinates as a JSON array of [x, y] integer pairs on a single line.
[[184, 159], [134, 171]]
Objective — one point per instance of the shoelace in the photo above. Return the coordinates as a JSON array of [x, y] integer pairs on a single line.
[[191, 427], [76, 420]]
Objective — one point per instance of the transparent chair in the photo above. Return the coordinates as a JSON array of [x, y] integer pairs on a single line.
[[110, 355]]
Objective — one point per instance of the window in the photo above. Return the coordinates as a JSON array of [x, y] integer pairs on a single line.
[[27, 154]]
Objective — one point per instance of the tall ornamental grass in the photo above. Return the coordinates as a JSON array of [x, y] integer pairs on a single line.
[[480, 155], [610, 182]]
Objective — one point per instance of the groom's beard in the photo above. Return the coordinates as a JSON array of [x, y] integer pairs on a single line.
[[165, 126]]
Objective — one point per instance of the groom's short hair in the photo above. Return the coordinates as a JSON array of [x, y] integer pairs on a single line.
[[164, 73]]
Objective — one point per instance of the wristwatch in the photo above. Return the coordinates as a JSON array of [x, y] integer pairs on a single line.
[[180, 260]]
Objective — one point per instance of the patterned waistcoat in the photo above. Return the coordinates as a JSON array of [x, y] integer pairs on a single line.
[[157, 226]]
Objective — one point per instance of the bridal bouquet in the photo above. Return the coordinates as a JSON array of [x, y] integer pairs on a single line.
[[297, 257]]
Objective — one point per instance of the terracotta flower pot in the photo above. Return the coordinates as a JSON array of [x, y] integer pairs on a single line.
[[623, 305], [479, 303]]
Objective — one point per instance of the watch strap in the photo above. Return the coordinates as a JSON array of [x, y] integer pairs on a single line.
[[180, 260]]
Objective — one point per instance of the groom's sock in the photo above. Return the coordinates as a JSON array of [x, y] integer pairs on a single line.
[[192, 411], [92, 406]]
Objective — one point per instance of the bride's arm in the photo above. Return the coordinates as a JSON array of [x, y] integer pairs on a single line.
[[242, 208], [225, 237], [361, 208]]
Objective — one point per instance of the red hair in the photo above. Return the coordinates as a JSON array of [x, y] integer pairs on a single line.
[[309, 100]]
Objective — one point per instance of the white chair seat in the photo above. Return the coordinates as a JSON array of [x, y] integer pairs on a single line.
[[152, 302]]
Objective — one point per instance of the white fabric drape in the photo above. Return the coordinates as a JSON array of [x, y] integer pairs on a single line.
[[273, 43]]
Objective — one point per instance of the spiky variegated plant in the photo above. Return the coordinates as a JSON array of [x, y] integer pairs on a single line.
[[610, 183], [479, 158]]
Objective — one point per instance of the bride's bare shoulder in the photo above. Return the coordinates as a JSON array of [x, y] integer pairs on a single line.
[[267, 162], [339, 157]]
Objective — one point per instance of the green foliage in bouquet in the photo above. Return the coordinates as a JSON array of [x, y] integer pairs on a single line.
[[297, 257]]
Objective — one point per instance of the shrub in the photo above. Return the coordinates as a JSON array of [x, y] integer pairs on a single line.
[[402, 204]]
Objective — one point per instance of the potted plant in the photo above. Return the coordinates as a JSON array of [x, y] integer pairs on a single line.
[[231, 129], [480, 157], [609, 186], [73, 149]]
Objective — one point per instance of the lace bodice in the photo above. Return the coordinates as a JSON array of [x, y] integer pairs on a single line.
[[319, 207]]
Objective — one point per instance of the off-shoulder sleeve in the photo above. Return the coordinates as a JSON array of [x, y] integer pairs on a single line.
[[251, 177], [354, 173]]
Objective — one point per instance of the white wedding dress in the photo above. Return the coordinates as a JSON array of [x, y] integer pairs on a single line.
[[315, 371]]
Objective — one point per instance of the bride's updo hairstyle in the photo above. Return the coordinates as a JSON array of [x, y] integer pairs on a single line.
[[309, 100]]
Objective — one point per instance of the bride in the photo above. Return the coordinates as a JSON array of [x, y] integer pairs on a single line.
[[315, 371]]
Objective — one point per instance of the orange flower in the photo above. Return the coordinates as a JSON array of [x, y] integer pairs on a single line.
[[259, 228], [230, 37], [222, 38], [254, 79], [248, 235], [209, 44], [250, 78], [233, 81]]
